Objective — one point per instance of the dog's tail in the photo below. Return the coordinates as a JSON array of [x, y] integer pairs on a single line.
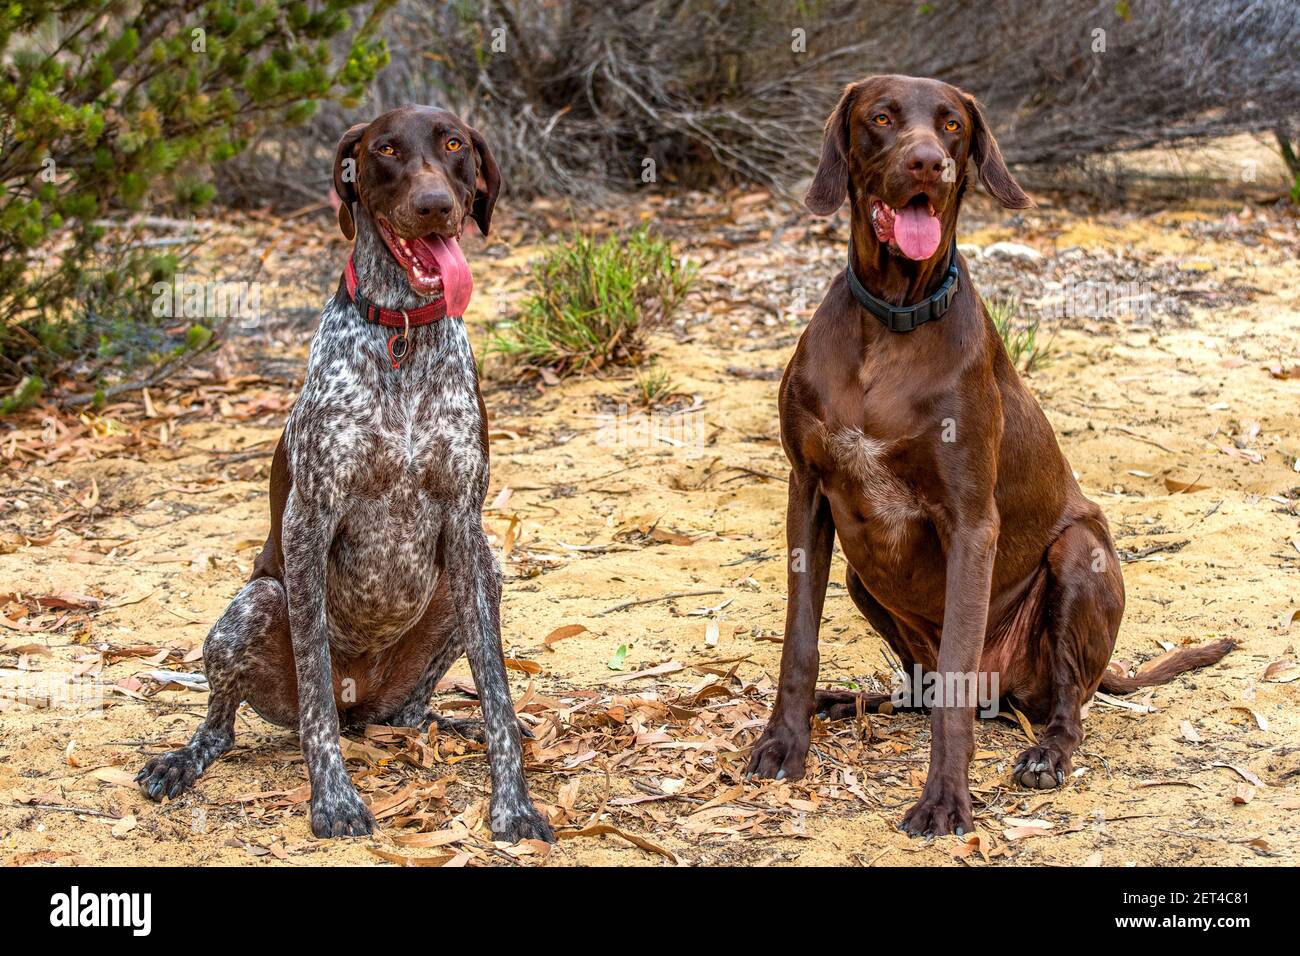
[[1163, 669]]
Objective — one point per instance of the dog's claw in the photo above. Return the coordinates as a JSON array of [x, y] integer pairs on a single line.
[[1041, 767], [941, 810], [168, 775], [341, 812]]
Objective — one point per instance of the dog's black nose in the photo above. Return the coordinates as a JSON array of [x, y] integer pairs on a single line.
[[433, 202], [925, 162]]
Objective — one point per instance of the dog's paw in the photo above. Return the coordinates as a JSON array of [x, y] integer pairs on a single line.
[[170, 774], [1041, 768], [941, 810], [340, 812], [523, 824], [780, 753]]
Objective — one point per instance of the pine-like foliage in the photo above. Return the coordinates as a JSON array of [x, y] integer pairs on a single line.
[[115, 107]]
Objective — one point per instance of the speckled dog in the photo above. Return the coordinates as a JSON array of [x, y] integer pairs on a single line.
[[377, 573]]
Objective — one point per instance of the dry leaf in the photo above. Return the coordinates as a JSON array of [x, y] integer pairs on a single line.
[[603, 828], [560, 633], [974, 843], [512, 537], [434, 839], [1025, 725], [1018, 829], [115, 776], [1242, 772], [1260, 720], [411, 860], [1281, 672], [657, 671], [91, 498]]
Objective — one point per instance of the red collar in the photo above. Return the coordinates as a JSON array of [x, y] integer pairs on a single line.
[[393, 318]]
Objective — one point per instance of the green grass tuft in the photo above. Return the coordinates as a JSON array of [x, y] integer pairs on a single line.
[[24, 396], [1026, 349], [593, 302], [653, 385]]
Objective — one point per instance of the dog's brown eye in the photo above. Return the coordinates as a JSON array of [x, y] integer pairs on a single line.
[[952, 126], [880, 119], [387, 150], [454, 144]]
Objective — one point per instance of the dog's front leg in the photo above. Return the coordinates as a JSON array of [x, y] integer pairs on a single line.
[[945, 804], [336, 807], [476, 590], [810, 533]]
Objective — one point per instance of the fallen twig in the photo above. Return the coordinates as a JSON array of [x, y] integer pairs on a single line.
[[654, 600]]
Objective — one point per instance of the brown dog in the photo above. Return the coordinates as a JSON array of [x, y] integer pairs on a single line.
[[971, 549]]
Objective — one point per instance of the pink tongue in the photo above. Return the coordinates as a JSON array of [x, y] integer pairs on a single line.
[[457, 285], [916, 232]]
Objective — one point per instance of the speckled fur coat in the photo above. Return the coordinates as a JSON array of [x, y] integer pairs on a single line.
[[377, 573]]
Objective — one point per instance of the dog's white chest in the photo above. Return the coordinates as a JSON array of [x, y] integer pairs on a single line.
[[866, 462]]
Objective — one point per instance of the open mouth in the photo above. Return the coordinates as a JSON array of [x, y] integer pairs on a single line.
[[434, 266], [912, 230]]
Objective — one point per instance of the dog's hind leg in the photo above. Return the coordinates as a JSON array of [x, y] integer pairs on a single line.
[[416, 711], [844, 704], [256, 621], [1085, 602]]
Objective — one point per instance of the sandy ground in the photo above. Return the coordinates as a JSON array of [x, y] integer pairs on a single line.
[[594, 505]]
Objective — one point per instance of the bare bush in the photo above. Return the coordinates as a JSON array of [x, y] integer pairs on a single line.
[[580, 95]]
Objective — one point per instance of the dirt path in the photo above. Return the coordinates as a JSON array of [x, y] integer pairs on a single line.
[[593, 508]]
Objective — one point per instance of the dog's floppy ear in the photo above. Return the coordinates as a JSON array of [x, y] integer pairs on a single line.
[[345, 177], [830, 186], [992, 169], [487, 182]]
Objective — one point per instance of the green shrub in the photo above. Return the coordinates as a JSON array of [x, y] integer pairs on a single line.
[[118, 106], [1020, 336], [593, 302]]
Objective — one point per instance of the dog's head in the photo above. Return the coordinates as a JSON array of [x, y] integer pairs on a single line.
[[418, 173], [897, 147]]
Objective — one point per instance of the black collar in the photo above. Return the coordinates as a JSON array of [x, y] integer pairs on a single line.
[[904, 318]]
